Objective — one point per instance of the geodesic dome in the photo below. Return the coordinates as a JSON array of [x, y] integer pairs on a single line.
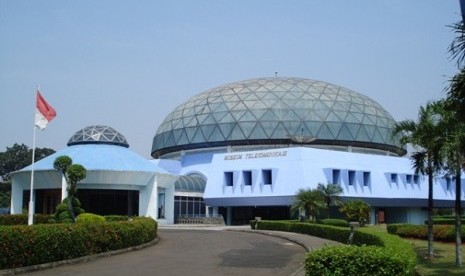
[[271, 111]]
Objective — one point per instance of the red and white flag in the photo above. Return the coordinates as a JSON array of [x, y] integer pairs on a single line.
[[44, 112]]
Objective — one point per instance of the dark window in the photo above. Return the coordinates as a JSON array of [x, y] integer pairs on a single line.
[[416, 179], [228, 178], [409, 178], [336, 176], [393, 177], [351, 178], [366, 178], [247, 178], [267, 177]]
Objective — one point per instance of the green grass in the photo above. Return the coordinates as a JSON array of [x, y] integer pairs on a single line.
[[442, 264]]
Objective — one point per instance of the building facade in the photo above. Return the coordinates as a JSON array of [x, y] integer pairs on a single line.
[[243, 150]]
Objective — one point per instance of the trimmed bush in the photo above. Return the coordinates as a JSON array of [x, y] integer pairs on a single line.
[[445, 221], [23, 219], [364, 260], [401, 254], [89, 218], [116, 218], [445, 233], [31, 245], [336, 222]]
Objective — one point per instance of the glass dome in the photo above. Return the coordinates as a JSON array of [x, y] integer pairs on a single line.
[[271, 111], [98, 135]]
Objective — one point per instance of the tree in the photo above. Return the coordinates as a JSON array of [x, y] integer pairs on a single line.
[[356, 210], [73, 173], [18, 157], [13, 159], [453, 151], [331, 194], [309, 200], [426, 138]]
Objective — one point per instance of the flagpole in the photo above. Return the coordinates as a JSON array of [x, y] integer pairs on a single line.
[[30, 220]]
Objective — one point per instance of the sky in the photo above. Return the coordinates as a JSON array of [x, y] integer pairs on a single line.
[[128, 64]]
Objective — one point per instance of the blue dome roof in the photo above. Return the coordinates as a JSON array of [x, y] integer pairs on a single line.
[[270, 111]]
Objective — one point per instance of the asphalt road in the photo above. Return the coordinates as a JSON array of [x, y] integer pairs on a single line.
[[197, 252]]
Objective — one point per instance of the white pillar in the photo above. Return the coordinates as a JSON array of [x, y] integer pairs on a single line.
[[64, 186], [16, 197]]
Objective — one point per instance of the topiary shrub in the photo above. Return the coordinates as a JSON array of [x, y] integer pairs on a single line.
[[90, 218], [62, 213], [336, 222]]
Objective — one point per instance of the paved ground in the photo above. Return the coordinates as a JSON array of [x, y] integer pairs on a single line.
[[203, 251]]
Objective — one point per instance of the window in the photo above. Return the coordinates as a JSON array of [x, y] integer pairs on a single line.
[[416, 179], [336, 176], [366, 178], [448, 182], [161, 203], [409, 178], [247, 175], [394, 178], [267, 177], [351, 178], [228, 179]]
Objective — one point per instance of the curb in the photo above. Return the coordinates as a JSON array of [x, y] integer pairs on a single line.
[[83, 259]]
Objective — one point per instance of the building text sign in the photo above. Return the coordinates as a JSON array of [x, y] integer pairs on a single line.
[[271, 154]]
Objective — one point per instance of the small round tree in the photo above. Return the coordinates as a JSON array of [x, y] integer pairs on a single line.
[[356, 210], [73, 173]]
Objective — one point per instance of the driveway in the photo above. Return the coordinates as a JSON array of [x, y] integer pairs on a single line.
[[198, 252]]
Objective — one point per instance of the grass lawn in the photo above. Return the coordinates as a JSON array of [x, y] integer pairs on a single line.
[[444, 261]]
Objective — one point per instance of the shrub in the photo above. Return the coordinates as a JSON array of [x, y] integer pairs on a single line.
[[116, 218], [37, 244], [401, 254], [364, 260], [23, 219], [445, 221], [336, 222], [90, 218], [356, 210], [444, 233]]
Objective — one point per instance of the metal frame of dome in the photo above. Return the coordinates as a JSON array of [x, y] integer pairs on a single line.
[[98, 134], [277, 111], [190, 183]]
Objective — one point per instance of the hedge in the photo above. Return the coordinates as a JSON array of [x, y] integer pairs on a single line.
[[445, 221], [23, 219], [444, 233], [379, 253], [43, 243], [336, 222]]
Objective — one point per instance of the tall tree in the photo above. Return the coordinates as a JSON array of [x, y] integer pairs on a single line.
[[331, 194], [309, 200], [426, 139]]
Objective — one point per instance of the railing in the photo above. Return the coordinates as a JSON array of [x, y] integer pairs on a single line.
[[199, 219]]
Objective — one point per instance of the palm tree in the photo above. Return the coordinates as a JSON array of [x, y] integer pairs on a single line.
[[331, 194], [424, 135], [309, 200], [452, 112]]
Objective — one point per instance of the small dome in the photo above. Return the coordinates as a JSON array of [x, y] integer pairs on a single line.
[[98, 135]]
